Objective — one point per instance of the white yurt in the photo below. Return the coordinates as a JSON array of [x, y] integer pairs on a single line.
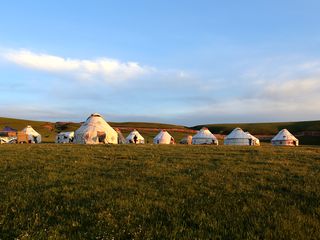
[[163, 138], [285, 138], [186, 140], [239, 137], [255, 141], [65, 137], [95, 130], [33, 135], [204, 136], [135, 137]]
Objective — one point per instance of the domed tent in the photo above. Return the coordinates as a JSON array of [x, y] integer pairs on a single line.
[[255, 141], [135, 137], [239, 137], [65, 137], [284, 138], [33, 135], [204, 136], [95, 130], [163, 138], [186, 140]]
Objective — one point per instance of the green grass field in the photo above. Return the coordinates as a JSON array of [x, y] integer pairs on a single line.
[[159, 192]]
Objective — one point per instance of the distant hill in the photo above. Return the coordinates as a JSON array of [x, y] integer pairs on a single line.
[[264, 128], [307, 131]]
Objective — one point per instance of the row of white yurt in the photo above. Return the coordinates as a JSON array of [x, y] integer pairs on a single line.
[[236, 137], [96, 130], [239, 137]]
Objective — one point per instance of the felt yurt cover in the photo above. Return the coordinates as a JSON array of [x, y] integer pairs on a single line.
[[163, 138], [33, 135], [204, 136], [95, 130], [238, 137], [135, 137], [284, 137]]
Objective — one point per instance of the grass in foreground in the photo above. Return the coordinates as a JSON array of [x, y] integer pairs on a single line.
[[159, 192]]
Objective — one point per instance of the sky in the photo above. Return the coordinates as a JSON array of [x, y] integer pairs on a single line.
[[182, 62]]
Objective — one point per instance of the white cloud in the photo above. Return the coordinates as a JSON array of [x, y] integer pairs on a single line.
[[107, 69], [300, 88]]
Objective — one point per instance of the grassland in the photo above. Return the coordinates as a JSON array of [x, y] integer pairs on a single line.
[[159, 192]]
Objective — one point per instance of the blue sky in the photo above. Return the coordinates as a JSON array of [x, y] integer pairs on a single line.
[[185, 62]]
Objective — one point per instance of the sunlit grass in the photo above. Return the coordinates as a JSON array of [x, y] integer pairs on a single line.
[[159, 192]]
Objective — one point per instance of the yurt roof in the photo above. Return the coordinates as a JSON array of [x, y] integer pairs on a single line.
[[204, 133], [95, 115], [95, 122], [30, 130], [237, 133], [163, 133], [66, 133]]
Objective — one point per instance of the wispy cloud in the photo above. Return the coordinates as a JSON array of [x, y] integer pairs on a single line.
[[107, 69]]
